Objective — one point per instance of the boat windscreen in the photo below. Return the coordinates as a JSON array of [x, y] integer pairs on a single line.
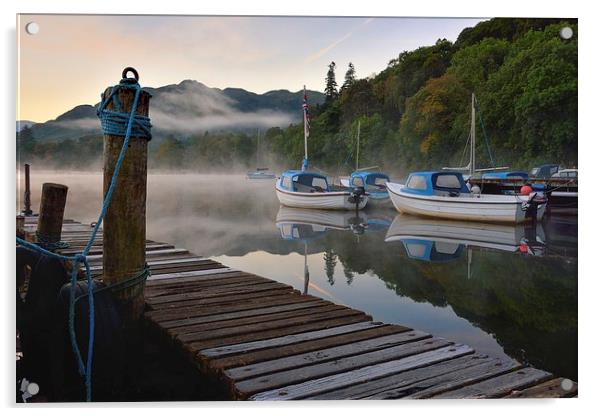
[[448, 182]]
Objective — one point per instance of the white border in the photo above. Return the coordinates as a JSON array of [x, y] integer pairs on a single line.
[[589, 158]]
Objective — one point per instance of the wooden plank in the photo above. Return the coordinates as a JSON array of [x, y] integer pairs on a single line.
[[197, 276], [241, 314], [228, 298], [446, 382], [199, 260], [199, 285], [273, 353], [152, 253], [287, 340], [196, 290], [368, 388], [163, 254], [363, 374], [267, 325], [191, 329], [162, 278], [188, 313], [98, 250], [221, 291], [238, 339], [555, 388], [498, 386], [328, 354], [255, 385], [177, 300]]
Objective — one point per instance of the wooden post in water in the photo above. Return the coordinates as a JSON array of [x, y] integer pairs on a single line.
[[27, 194], [52, 209], [124, 227], [20, 223]]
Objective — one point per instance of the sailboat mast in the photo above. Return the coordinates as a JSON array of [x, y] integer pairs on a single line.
[[472, 137], [305, 127], [257, 152], [357, 152], [305, 272]]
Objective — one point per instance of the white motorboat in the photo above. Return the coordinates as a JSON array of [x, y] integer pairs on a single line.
[[445, 195]]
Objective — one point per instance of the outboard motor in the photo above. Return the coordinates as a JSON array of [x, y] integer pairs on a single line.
[[532, 205], [357, 195], [357, 225]]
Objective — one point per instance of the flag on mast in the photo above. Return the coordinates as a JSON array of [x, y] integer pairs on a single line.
[[306, 111], [305, 128]]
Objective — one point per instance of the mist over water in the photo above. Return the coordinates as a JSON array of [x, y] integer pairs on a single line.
[[499, 301]]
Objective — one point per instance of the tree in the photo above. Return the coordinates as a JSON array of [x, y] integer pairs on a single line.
[[330, 262], [349, 77], [331, 91]]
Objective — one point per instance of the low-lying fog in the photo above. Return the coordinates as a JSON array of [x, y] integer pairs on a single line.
[[208, 214]]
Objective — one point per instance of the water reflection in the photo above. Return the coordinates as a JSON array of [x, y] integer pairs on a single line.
[[508, 281], [505, 290], [437, 240]]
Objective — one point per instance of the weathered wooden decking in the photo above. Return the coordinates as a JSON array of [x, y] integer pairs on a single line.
[[266, 341]]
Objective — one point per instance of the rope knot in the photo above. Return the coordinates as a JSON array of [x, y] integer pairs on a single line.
[[117, 122]]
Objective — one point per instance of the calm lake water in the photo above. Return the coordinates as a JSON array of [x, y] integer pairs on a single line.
[[506, 291]]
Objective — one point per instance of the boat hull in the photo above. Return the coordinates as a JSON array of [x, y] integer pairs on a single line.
[[484, 208], [319, 200]]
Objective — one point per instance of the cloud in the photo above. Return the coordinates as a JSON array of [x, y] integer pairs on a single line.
[[189, 124], [317, 55], [193, 107]]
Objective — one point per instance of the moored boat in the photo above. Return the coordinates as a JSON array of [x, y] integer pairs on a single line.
[[260, 173], [445, 195], [304, 189], [373, 182], [301, 189]]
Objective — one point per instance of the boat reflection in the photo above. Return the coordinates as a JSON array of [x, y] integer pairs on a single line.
[[307, 225], [436, 240]]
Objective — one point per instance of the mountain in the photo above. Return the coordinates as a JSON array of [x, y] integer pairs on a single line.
[[23, 124], [191, 107]]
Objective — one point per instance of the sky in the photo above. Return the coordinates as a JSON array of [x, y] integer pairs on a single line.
[[73, 58]]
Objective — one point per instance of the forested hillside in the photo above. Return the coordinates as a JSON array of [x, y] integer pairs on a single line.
[[415, 114]]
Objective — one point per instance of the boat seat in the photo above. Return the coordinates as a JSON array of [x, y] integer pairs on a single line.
[[446, 193], [299, 187]]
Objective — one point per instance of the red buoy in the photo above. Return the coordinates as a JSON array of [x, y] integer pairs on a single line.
[[525, 190]]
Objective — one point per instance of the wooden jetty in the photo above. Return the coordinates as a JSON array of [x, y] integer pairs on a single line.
[[264, 340]]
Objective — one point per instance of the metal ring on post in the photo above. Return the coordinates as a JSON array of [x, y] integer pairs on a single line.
[[133, 71]]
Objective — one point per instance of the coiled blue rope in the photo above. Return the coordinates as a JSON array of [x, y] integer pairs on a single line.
[[115, 123]]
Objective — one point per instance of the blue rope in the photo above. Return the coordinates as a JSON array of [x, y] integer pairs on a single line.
[[114, 123]]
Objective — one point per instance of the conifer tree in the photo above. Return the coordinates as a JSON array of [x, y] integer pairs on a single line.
[[331, 91], [349, 77]]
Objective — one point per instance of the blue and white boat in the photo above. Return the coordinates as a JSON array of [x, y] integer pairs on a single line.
[[304, 189], [445, 195], [373, 182]]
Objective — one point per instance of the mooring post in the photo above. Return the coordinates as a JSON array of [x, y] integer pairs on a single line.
[[52, 209], [27, 194], [124, 227], [20, 223]]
